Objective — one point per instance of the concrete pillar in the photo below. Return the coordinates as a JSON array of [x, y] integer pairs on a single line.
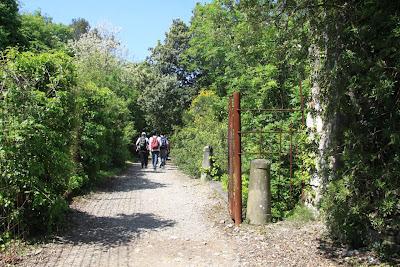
[[206, 165], [259, 198]]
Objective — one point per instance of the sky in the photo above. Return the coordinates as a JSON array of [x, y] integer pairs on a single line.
[[141, 22]]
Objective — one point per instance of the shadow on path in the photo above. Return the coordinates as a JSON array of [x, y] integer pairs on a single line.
[[111, 231], [133, 179]]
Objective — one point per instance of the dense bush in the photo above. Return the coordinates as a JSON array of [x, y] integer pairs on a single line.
[[65, 118], [104, 132], [360, 81], [37, 124], [204, 124], [59, 129]]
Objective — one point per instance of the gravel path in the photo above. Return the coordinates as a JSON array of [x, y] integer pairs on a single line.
[[164, 218], [144, 218]]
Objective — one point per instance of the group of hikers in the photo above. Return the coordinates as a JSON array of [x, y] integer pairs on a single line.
[[157, 145]]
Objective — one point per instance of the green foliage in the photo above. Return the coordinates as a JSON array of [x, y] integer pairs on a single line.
[[359, 77], [103, 139], [167, 88], [79, 27], [203, 126], [98, 59], [36, 138], [40, 33], [344, 216], [61, 128], [301, 214], [166, 56], [9, 23], [245, 188], [161, 101], [231, 49]]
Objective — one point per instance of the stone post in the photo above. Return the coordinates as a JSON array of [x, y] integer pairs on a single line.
[[259, 198], [206, 165]]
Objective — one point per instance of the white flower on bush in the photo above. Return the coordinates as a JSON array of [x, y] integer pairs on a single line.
[[100, 47]]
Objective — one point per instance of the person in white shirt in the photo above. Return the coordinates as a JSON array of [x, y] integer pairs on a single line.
[[154, 144]]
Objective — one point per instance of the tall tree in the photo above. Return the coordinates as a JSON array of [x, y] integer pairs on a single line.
[[79, 27], [167, 55], [171, 88], [9, 23], [160, 98], [40, 33]]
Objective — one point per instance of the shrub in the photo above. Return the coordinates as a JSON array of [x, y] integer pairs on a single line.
[[37, 124], [104, 134], [301, 214], [203, 126]]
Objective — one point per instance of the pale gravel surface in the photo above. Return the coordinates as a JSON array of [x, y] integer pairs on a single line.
[[164, 218], [144, 218]]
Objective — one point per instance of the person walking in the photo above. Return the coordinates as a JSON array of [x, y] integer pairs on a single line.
[[155, 143], [142, 146], [163, 150]]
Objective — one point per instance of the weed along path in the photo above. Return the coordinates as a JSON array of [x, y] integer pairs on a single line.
[[164, 218]]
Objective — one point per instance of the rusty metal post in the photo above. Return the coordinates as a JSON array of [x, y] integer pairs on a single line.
[[237, 164], [230, 159]]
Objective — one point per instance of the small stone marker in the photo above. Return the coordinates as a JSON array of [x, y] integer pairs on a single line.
[[206, 165], [259, 198]]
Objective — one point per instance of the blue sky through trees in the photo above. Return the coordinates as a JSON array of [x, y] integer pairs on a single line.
[[141, 22]]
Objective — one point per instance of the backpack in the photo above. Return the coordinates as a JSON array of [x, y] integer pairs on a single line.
[[154, 143], [163, 142], [142, 143]]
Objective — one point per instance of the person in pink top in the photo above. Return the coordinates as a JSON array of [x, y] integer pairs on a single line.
[[154, 144]]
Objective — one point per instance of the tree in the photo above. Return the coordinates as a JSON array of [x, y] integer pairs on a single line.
[[40, 33], [161, 99], [108, 97], [170, 88], [360, 91], [79, 27], [38, 119], [98, 55], [167, 55], [9, 23]]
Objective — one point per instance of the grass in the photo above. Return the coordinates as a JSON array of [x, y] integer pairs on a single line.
[[301, 214]]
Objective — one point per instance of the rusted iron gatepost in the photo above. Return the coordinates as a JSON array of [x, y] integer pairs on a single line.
[[234, 159], [237, 163], [235, 150], [230, 158]]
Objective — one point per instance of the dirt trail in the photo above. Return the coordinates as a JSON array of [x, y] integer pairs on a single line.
[[164, 218], [144, 218]]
